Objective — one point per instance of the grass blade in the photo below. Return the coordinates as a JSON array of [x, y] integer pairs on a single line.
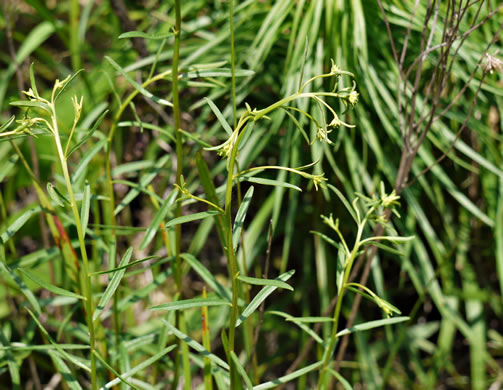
[[190, 304], [49, 287], [113, 285]]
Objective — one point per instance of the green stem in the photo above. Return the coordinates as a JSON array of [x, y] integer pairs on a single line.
[[85, 279], [233, 61]]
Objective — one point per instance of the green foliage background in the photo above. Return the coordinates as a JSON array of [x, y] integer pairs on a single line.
[[449, 279]]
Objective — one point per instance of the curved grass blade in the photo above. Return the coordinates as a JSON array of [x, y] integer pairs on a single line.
[[265, 282], [49, 287], [65, 372], [372, 325], [86, 205], [12, 364], [261, 296], [89, 134], [191, 217], [18, 223], [195, 345], [145, 364], [111, 369], [140, 34], [8, 274], [269, 182], [137, 86], [340, 378], [84, 162], [158, 218], [302, 326], [287, 378], [112, 286], [242, 371], [240, 217], [190, 304], [207, 276], [219, 116], [344, 202]]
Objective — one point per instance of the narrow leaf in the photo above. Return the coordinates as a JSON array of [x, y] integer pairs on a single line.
[[65, 372], [86, 205], [372, 325], [261, 296], [265, 282], [287, 378], [219, 116], [140, 34], [49, 287], [241, 370], [112, 286], [158, 218], [344, 202], [195, 345], [18, 223], [191, 217], [190, 304], [240, 217]]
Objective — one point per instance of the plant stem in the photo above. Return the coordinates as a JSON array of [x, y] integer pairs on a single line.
[[85, 279], [233, 62]]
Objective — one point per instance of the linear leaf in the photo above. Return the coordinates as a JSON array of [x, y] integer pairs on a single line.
[[241, 370], [86, 205], [287, 378], [49, 287], [9, 274], [344, 201], [240, 217], [112, 286], [265, 282], [191, 303], [195, 345], [137, 86], [140, 34], [372, 325], [158, 218], [65, 372], [191, 217], [269, 182], [219, 116], [261, 296], [89, 133], [207, 276], [302, 326], [18, 223]]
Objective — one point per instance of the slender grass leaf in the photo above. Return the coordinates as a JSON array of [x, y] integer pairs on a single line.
[[143, 365], [133, 263], [89, 133], [139, 34], [65, 372], [241, 370], [158, 218], [137, 86], [66, 83], [240, 217], [372, 324], [10, 275], [145, 180], [191, 217], [287, 378], [7, 124], [344, 202], [86, 205], [43, 347], [340, 378], [86, 158], [18, 223], [49, 287], [12, 364], [111, 369], [265, 282], [222, 72], [269, 182], [301, 325], [196, 346], [113, 285], [65, 354], [219, 116], [498, 234], [261, 296], [207, 276], [56, 195], [310, 319], [31, 104], [190, 304], [6, 167]]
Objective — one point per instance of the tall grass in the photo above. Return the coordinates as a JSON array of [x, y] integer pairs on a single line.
[[223, 185]]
